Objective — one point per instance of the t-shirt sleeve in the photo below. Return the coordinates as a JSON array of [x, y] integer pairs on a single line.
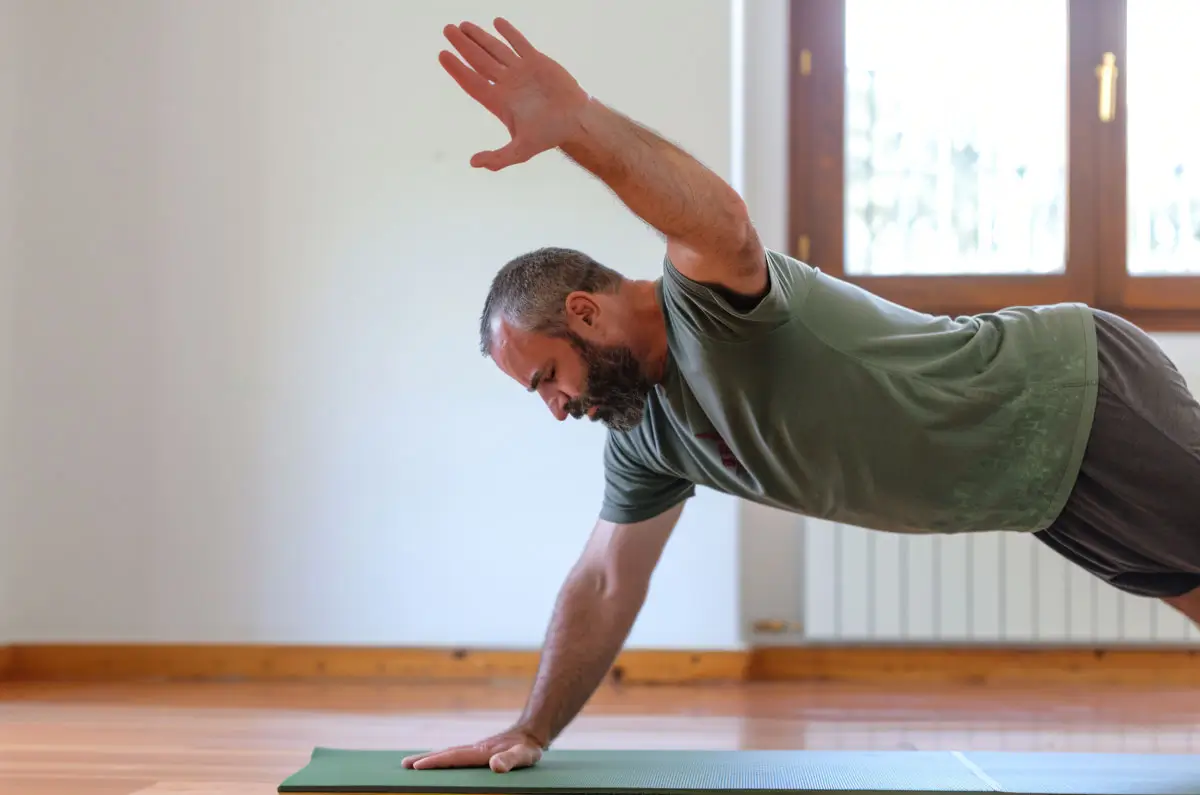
[[708, 312], [633, 491]]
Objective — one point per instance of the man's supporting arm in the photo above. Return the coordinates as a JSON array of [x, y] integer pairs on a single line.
[[593, 615], [710, 236], [592, 619]]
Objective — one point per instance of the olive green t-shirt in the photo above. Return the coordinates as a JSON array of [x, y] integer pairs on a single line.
[[828, 401]]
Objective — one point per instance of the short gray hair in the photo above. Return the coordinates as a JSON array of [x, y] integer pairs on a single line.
[[531, 290]]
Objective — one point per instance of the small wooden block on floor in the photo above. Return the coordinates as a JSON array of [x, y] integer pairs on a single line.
[[744, 772]]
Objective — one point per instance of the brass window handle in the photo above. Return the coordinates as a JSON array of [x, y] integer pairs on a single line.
[[1106, 72]]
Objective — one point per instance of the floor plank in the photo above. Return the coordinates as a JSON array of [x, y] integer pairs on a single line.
[[242, 739]]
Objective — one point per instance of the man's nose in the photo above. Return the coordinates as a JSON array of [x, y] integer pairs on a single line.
[[557, 405]]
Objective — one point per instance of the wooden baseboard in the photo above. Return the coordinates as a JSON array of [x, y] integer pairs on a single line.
[[979, 666], [865, 665], [229, 662]]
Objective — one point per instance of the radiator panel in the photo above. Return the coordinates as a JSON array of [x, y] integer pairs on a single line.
[[865, 586]]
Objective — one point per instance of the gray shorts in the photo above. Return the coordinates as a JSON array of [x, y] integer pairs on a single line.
[[1133, 518]]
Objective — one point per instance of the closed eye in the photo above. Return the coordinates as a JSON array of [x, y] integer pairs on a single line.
[[539, 377]]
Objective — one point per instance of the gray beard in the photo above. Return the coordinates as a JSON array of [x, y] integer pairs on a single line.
[[616, 386]]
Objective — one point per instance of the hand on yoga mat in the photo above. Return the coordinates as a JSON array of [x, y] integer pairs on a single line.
[[501, 752], [532, 94]]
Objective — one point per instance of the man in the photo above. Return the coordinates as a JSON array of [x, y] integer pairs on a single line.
[[754, 374]]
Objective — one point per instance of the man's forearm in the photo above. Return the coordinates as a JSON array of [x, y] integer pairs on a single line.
[[668, 188], [587, 630]]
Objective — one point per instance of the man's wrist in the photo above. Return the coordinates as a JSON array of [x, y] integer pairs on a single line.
[[586, 119], [540, 734]]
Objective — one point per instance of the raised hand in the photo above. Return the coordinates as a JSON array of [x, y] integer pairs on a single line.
[[529, 92], [503, 752]]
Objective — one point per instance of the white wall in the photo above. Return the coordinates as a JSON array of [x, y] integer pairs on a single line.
[[252, 255], [9, 41]]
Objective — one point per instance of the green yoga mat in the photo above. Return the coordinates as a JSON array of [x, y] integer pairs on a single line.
[[564, 772]]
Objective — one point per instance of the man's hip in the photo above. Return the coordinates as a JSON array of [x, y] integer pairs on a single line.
[[1133, 517]]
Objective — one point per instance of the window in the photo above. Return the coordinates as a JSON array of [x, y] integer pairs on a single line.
[[960, 157]]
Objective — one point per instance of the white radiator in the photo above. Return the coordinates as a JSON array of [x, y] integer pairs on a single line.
[[863, 586]]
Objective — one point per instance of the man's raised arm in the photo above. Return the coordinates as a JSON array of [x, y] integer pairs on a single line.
[[710, 237], [594, 613], [709, 233]]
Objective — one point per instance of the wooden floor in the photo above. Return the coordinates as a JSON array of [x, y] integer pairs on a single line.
[[242, 739]]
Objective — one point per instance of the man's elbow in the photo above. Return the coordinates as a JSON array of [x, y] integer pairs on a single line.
[[743, 249], [605, 582], [728, 252], [622, 590], [740, 237]]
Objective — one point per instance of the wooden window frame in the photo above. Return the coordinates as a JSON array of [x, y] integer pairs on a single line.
[[1095, 272]]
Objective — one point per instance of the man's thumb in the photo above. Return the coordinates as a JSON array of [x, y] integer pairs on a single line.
[[520, 755], [496, 159]]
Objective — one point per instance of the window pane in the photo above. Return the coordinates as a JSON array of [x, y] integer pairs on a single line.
[[956, 137], [1164, 145]]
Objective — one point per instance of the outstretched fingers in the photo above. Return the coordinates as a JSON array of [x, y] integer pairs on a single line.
[[458, 756], [486, 41], [514, 37], [480, 59], [476, 86]]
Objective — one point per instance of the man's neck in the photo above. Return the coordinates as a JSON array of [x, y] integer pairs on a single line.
[[649, 327]]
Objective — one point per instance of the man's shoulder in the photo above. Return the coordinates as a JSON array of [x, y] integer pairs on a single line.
[[698, 309], [643, 443], [664, 438], [625, 446], [640, 481]]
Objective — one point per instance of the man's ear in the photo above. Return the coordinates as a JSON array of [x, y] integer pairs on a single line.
[[582, 310]]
